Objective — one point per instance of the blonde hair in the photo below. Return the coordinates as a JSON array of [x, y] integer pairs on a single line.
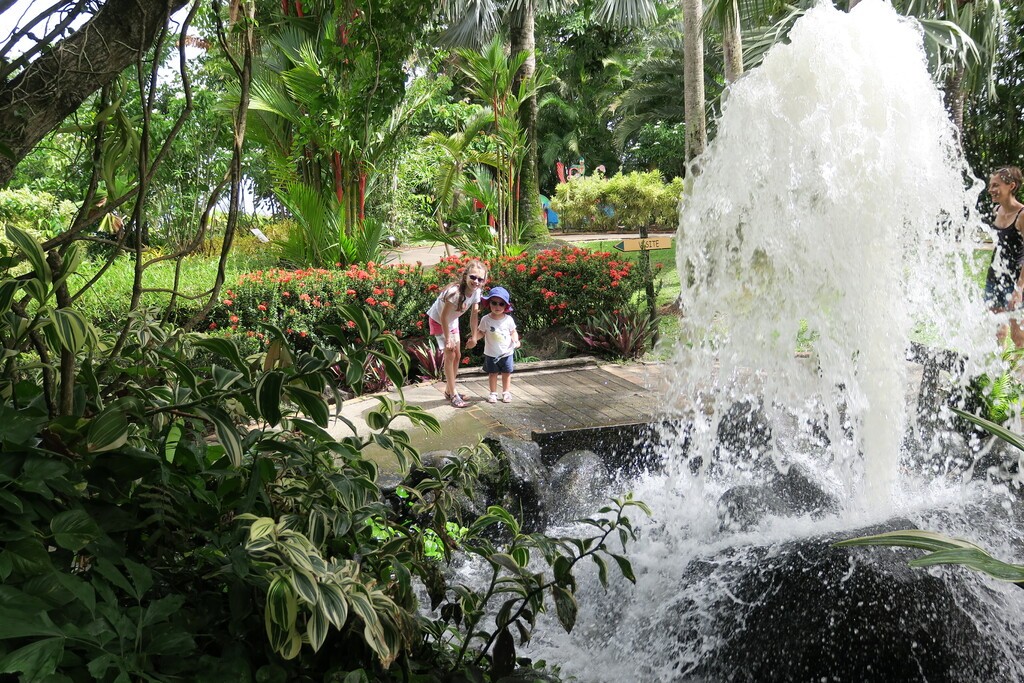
[[463, 282]]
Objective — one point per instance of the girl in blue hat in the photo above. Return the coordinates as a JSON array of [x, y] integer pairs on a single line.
[[500, 340]]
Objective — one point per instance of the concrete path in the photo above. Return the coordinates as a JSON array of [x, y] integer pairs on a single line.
[[430, 254]]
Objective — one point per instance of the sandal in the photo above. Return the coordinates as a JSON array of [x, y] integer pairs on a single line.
[[458, 401], [506, 397]]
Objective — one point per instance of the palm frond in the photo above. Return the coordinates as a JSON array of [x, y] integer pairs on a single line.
[[626, 12]]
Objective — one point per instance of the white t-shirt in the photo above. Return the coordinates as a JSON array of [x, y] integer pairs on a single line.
[[451, 295], [498, 340]]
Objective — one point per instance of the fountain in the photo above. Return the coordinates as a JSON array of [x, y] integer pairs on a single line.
[[833, 205]]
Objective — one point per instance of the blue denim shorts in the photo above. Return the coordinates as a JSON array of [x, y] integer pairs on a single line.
[[503, 364]]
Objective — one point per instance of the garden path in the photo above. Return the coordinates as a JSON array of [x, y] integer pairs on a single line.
[[430, 254]]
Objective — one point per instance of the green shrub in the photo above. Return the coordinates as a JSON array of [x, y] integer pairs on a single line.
[[171, 515], [556, 286], [552, 287], [37, 212], [633, 200]]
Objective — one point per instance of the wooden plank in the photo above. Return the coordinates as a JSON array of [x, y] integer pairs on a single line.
[[551, 398]]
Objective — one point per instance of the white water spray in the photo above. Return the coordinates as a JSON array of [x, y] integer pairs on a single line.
[[834, 197]]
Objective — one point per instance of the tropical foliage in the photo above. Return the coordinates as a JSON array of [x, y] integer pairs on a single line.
[[631, 201], [178, 510]]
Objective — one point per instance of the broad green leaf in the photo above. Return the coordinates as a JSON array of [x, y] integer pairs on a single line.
[[975, 559], [224, 378], [334, 604], [223, 348], [36, 289], [112, 574], [160, 610], [72, 328], [358, 316], [910, 538], [316, 629], [625, 567], [282, 607], [107, 432], [28, 556], [8, 289], [74, 529], [227, 433], [171, 441], [142, 577], [311, 404], [993, 428], [602, 569], [506, 561], [32, 251], [268, 396], [261, 528], [565, 607], [98, 666], [35, 660], [306, 587]]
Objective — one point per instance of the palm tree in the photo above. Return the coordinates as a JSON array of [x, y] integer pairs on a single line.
[[471, 23], [693, 78], [316, 121]]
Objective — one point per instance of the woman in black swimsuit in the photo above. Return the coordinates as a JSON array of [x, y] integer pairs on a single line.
[[1005, 277]]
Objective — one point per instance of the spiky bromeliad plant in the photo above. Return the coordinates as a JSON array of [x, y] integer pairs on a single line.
[[943, 549], [624, 333]]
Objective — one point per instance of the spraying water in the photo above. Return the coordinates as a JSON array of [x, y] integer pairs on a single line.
[[833, 205], [833, 200]]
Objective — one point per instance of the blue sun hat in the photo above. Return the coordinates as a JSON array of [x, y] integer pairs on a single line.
[[500, 293]]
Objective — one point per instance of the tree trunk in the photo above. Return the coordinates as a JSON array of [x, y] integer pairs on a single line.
[[523, 40], [693, 79], [38, 99], [732, 45]]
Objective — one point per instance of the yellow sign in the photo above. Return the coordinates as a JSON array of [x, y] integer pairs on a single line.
[[645, 244]]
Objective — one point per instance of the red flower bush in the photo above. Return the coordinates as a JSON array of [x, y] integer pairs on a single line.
[[553, 287]]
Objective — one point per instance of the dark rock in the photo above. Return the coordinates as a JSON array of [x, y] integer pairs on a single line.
[[577, 483], [744, 436], [789, 493], [807, 611], [518, 483]]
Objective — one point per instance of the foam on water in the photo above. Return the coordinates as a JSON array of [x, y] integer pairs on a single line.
[[834, 196]]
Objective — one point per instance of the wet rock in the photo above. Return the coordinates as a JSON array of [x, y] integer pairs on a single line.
[[806, 611], [518, 482], [744, 438], [577, 483], [788, 494]]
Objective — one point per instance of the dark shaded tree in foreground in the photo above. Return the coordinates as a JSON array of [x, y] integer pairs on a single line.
[[36, 99]]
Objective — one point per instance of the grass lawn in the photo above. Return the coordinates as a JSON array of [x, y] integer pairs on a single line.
[[668, 279], [666, 258]]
